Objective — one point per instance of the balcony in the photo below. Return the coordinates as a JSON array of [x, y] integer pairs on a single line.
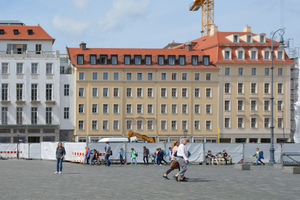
[[31, 54], [35, 101]]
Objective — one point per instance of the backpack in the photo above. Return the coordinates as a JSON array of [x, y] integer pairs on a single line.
[[164, 153], [136, 154]]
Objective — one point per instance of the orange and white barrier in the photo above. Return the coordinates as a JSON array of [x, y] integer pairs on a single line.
[[10, 154], [79, 156]]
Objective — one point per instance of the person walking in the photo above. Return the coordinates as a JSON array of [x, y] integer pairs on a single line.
[[169, 154], [174, 163], [60, 154], [133, 156], [85, 155], [164, 154], [122, 156], [145, 156], [182, 159], [108, 153], [259, 155], [160, 157]]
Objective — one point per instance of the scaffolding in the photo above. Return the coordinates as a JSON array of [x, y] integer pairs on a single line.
[[294, 93]]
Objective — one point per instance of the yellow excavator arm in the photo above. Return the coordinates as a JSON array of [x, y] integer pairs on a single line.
[[144, 137]]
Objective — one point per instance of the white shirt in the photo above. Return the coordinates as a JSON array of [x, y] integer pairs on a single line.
[[173, 152], [182, 151]]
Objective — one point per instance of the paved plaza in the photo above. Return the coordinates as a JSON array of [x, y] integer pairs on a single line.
[[35, 179]]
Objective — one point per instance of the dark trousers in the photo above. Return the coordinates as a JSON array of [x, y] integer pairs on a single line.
[[145, 159], [121, 160], [225, 160], [159, 161], [107, 159], [164, 161]]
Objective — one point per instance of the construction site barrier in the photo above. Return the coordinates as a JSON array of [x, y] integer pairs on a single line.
[[79, 157], [10, 154]]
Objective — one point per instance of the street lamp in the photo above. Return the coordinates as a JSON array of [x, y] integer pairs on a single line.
[[18, 135], [281, 46], [185, 133]]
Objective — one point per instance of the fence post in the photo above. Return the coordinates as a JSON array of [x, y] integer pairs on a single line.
[[125, 149], [28, 146], [203, 149], [243, 152]]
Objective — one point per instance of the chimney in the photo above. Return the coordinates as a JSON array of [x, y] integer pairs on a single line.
[[247, 29], [82, 46], [189, 46], [213, 30]]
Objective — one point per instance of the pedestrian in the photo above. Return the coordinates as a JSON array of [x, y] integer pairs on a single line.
[[259, 155], [170, 153], [133, 156], [164, 154], [160, 157], [122, 156], [85, 153], [182, 159], [155, 162], [174, 163], [145, 156], [108, 153], [60, 154]]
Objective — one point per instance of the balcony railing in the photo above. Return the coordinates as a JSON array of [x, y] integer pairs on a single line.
[[31, 54]]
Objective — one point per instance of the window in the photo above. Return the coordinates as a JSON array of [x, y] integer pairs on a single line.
[[253, 71], [116, 76], [93, 59], [197, 125], [116, 92], [139, 108], [208, 109], [197, 76], [240, 105], [1, 31], [227, 105], [280, 55], [184, 109], [227, 71], [150, 76], [66, 112], [279, 105], [267, 71], [235, 38], [174, 125], [267, 123], [114, 59], [253, 105], [150, 109], [19, 92], [150, 92], [34, 91], [128, 76], [267, 87], [240, 88], [19, 115], [81, 108], [249, 38], [267, 55], [48, 92], [19, 68], [195, 60], [150, 125], [94, 124], [4, 92], [208, 125], [105, 76], [174, 92], [116, 108], [171, 60], [227, 55], [208, 92], [116, 125], [184, 92], [129, 92], [66, 90], [139, 76], [62, 70], [38, 48], [163, 125], [174, 108], [279, 71], [105, 92], [103, 60], [240, 71], [262, 39], [181, 60], [240, 122], [4, 68], [80, 59], [161, 60], [163, 76], [253, 122], [183, 125], [184, 76], [163, 92], [128, 108], [81, 75], [4, 115], [95, 76], [105, 124], [227, 88], [208, 77], [197, 92], [197, 108], [163, 108], [227, 122], [128, 125], [280, 88], [127, 59], [280, 123], [94, 108], [267, 106], [48, 115], [253, 88], [105, 109], [174, 76], [80, 125], [240, 55], [95, 92], [81, 92], [253, 55], [33, 115], [148, 60], [34, 68], [139, 92], [139, 124]]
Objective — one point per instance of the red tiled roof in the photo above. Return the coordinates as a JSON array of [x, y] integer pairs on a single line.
[[38, 33]]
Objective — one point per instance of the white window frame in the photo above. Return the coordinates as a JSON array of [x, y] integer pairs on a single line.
[[107, 92], [199, 109], [210, 128], [185, 93], [79, 124], [107, 128]]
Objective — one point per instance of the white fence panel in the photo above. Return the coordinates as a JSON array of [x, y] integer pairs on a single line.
[[48, 150], [196, 150], [139, 148], [233, 150], [115, 147], [250, 151], [73, 147], [35, 150], [291, 148], [24, 149]]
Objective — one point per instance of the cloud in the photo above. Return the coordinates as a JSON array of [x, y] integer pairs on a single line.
[[81, 3], [123, 11], [70, 26]]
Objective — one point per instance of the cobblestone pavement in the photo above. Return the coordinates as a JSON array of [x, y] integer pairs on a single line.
[[35, 179]]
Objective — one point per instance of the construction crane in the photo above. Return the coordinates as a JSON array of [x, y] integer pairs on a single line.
[[144, 137], [207, 14]]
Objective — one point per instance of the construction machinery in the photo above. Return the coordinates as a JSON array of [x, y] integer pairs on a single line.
[[207, 14], [144, 137]]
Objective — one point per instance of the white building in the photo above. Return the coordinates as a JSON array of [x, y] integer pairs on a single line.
[[30, 85]]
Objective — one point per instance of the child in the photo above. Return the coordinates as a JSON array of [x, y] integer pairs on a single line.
[[169, 153], [133, 156], [122, 156], [189, 154], [259, 155]]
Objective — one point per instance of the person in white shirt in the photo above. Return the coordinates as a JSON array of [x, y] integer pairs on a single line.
[[182, 159]]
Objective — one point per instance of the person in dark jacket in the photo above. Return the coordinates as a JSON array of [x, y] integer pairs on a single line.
[[259, 155], [60, 154], [160, 157], [145, 155]]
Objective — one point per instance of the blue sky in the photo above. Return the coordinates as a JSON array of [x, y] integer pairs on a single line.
[[146, 23]]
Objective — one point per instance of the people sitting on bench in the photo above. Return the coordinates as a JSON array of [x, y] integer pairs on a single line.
[[212, 158], [226, 157]]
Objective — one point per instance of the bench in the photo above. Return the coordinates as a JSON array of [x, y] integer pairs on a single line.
[[221, 161]]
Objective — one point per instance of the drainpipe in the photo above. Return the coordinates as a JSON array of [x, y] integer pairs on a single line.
[[156, 105], [123, 104]]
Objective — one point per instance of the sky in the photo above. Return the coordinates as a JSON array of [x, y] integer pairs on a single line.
[[147, 23]]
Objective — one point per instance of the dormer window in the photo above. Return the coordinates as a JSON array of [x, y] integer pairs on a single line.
[[80, 59], [30, 32], [181, 60], [267, 55], [148, 60], [194, 60], [171, 60], [235, 38], [240, 55], [127, 59], [161, 60], [227, 55], [16, 32], [137, 59], [103, 60], [1, 31], [249, 38], [280, 55], [93, 59], [262, 39], [114, 60], [253, 55], [205, 60]]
